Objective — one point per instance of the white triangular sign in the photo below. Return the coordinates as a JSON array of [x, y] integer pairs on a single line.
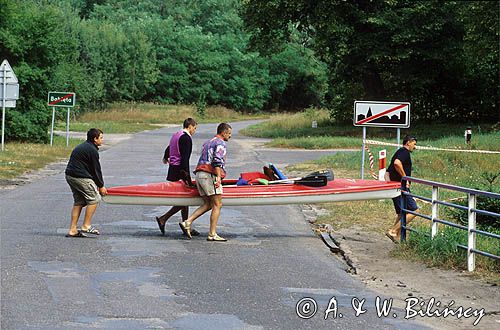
[[10, 76]]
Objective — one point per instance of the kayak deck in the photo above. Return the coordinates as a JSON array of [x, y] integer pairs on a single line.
[[177, 193]]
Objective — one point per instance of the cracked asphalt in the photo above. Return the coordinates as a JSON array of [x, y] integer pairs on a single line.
[[132, 277]]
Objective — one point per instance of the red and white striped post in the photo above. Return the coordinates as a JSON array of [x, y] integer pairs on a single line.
[[381, 164]]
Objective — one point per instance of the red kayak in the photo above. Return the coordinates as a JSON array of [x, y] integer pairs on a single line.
[[177, 193]]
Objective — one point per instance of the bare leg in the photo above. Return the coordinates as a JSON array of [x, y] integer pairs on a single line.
[[216, 202], [392, 231], [200, 210], [164, 218], [397, 227], [184, 213], [89, 213], [75, 215]]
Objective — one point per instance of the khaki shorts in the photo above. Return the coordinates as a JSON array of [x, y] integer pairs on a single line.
[[206, 184], [84, 190]]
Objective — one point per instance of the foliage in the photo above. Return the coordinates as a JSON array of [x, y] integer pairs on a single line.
[[424, 52], [483, 222], [201, 106], [442, 250], [440, 56], [33, 45]]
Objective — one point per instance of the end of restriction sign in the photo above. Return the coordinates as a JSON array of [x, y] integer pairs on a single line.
[[61, 99]]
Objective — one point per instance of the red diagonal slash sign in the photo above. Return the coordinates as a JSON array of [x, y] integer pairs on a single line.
[[61, 98], [381, 114]]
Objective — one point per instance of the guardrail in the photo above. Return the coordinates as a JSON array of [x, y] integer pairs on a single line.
[[435, 220]]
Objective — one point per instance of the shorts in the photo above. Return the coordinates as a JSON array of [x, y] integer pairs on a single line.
[[205, 182], [411, 204], [84, 190]]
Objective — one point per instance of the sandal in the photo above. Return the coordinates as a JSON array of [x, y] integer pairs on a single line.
[[161, 226], [186, 228], [91, 230], [78, 234], [216, 238], [392, 238]]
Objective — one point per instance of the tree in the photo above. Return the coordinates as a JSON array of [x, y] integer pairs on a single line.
[[39, 45], [377, 50]]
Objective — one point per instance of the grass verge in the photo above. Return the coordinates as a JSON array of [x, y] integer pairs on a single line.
[[457, 168], [134, 117], [18, 158]]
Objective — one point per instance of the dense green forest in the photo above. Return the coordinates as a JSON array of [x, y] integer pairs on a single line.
[[442, 56]]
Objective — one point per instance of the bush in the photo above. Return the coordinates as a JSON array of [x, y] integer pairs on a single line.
[[483, 222]]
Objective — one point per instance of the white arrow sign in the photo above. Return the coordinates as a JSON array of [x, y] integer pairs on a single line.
[[10, 76], [9, 93]]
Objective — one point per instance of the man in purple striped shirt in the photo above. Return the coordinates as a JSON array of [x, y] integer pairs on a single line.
[[209, 174]]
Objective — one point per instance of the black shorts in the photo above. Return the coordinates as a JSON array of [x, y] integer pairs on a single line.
[[411, 204]]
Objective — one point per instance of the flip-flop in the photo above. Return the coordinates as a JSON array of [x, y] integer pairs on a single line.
[[78, 234], [392, 238], [91, 230], [161, 226]]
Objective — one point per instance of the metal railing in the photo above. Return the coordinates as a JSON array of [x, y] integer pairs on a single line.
[[435, 220]]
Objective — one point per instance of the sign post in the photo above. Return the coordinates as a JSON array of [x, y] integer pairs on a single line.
[[61, 99], [380, 114], [9, 92]]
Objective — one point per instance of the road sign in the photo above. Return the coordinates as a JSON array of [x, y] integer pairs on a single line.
[[11, 92], [10, 76], [9, 103], [61, 99], [382, 114]]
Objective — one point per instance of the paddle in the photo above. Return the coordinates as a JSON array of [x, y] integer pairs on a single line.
[[327, 173], [309, 180]]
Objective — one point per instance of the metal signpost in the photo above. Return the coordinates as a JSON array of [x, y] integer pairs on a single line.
[[380, 114], [61, 99], [9, 92]]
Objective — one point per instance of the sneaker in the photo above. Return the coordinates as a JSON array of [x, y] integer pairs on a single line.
[[216, 238]]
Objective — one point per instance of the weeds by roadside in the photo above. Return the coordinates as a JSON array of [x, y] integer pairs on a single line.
[[135, 117], [456, 168], [18, 158]]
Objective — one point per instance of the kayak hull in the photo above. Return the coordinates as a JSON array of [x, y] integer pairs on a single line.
[[178, 194]]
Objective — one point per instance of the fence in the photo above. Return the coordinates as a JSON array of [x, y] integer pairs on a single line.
[[435, 220]]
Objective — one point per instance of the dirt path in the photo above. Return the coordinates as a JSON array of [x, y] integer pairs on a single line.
[[368, 254]]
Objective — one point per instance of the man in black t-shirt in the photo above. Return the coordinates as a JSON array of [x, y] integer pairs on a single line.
[[84, 176], [399, 167]]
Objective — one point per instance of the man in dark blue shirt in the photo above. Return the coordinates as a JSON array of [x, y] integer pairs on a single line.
[[400, 167], [83, 174]]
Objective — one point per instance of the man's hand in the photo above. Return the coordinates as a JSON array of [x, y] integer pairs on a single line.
[[217, 182], [103, 191], [186, 178]]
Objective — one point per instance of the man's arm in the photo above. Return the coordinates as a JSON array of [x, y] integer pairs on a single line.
[[95, 168], [166, 155], [398, 166], [218, 179], [185, 148]]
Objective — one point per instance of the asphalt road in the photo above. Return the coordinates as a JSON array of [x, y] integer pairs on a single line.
[[131, 277]]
